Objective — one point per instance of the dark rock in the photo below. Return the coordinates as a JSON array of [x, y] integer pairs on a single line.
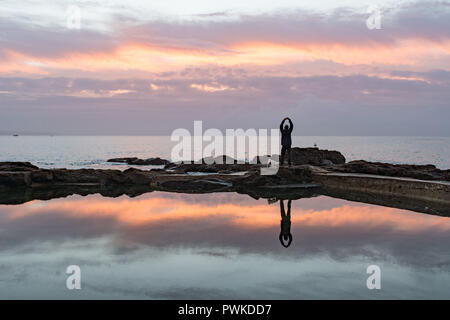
[[315, 156], [76, 176], [150, 161], [113, 177], [276, 194], [20, 195], [41, 176], [12, 176], [8, 178], [158, 161], [196, 186], [141, 162], [326, 162], [293, 175], [311, 156], [139, 177], [223, 159], [17, 166], [423, 172], [209, 168], [122, 160]]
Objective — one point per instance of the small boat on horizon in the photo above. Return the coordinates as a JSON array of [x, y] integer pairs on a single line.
[[15, 135]]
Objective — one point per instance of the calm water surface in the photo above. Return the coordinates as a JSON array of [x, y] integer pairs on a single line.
[[92, 152], [224, 245]]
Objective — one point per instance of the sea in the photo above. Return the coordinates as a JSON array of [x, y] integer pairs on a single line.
[[93, 151]]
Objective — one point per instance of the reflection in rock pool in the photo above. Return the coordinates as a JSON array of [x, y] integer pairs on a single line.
[[221, 245], [285, 234]]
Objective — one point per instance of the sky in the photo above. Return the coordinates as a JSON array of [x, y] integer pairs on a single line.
[[150, 67]]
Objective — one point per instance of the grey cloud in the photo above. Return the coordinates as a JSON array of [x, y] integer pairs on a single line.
[[441, 77], [344, 26], [285, 90], [419, 20], [320, 105], [45, 41]]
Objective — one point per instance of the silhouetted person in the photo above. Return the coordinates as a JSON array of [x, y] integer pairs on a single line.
[[285, 234], [286, 140]]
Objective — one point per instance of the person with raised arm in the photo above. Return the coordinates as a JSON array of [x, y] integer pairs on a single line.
[[286, 140]]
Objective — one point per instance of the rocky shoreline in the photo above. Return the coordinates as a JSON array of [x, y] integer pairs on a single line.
[[314, 172]]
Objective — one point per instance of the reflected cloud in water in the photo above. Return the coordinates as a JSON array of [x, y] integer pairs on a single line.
[[199, 241]]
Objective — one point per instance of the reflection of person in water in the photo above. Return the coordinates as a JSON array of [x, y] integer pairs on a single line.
[[285, 234]]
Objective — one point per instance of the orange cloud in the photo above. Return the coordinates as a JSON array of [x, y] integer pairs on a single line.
[[156, 59], [15, 62], [248, 214], [214, 87], [409, 51]]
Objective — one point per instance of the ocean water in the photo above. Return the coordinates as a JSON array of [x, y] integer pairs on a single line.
[[93, 151], [219, 246], [163, 245]]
